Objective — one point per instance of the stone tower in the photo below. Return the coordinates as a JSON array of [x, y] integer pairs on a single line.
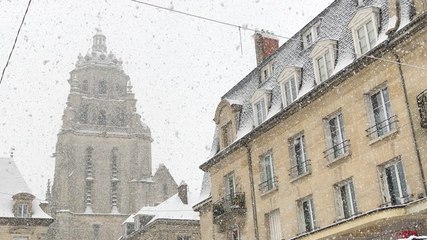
[[103, 169]]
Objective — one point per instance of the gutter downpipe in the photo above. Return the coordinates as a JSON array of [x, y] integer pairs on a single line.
[[411, 121], [251, 181]]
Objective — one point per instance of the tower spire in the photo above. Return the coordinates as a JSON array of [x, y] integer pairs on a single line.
[[99, 40]]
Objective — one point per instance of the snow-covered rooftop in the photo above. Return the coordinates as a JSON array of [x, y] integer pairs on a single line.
[[11, 184], [333, 25]]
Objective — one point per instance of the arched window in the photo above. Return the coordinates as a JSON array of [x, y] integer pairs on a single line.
[[89, 152], [119, 119], [84, 109], [114, 159], [102, 118], [85, 86], [102, 88]]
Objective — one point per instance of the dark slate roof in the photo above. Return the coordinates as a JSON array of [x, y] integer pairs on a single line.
[[334, 22]]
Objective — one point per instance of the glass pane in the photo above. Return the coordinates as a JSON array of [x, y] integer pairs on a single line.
[[294, 89], [361, 35], [288, 93], [402, 180], [371, 33], [392, 184]]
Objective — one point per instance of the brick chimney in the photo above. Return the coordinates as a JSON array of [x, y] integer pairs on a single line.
[[183, 192], [265, 45]]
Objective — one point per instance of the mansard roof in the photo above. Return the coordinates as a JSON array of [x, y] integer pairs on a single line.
[[333, 25]]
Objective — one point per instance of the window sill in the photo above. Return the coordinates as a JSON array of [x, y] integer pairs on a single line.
[[384, 136], [294, 179], [268, 192], [338, 159]]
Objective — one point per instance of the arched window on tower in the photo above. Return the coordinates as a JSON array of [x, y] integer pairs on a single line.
[[102, 118], [89, 166], [120, 117], [84, 111], [102, 88], [114, 180], [85, 86]]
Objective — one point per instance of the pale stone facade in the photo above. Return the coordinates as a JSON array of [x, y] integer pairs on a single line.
[[103, 168], [345, 158]]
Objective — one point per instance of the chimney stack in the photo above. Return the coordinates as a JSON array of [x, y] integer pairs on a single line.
[[183, 192], [265, 45]]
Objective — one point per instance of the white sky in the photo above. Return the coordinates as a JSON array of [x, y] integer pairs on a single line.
[[179, 67]]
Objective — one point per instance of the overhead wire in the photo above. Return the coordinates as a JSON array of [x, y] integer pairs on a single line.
[[240, 27], [14, 42]]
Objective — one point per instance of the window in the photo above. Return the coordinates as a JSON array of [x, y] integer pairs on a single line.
[[235, 234], [183, 238], [306, 213], [22, 210], [274, 225], [260, 104], [310, 36], [260, 110], [337, 144], [102, 118], [366, 37], [230, 186], [393, 183], [84, 110], [364, 26], [265, 73], [345, 199], [268, 179], [380, 114], [300, 163], [102, 88], [324, 55], [422, 107], [289, 81], [114, 179], [227, 134]]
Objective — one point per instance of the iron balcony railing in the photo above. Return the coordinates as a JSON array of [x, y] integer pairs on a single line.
[[300, 168], [228, 204], [337, 150], [382, 128], [268, 185]]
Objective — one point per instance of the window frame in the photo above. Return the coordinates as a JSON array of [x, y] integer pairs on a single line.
[[274, 232], [325, 49], [227, 134], [295, 171], [375, 130], [230, 193], [260, 96], [302, 215], [22, 210], [351, 205], [289, 74], [313, 31], [267, 184], [403, 190], [359, 20], [332, 153]]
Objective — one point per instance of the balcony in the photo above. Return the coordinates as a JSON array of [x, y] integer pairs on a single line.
[[229, 207], [337, 151], [383, 128], [300, 169], [269, 185]]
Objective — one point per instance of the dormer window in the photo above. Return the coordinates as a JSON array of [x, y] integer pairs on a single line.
[[260, 103], [324, 55], [266, 72], [364, 27], [289, 81], [227, 134], [310, 35], [227, 120], [23, 205]]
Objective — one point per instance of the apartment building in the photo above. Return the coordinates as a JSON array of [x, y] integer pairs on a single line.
[[325, 138]]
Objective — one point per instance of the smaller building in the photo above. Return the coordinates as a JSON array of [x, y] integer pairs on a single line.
[[173, 219], [21, 217]]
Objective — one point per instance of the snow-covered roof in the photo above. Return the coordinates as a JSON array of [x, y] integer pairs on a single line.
[[205, 191], [11, 184], [333, 25], [171, 209]]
